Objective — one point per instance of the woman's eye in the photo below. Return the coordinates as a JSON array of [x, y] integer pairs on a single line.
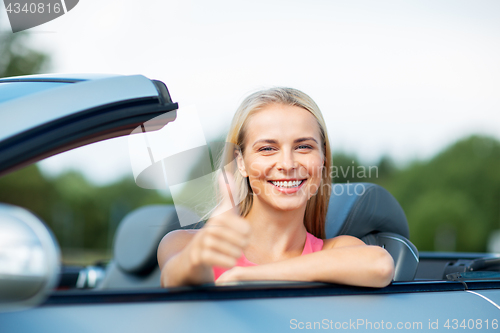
[[304, 147], [265, 149]]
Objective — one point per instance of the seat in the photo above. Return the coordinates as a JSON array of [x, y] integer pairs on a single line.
[[134, 263], [371, 213]]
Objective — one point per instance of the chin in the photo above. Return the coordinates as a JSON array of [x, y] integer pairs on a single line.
[[287, 205]]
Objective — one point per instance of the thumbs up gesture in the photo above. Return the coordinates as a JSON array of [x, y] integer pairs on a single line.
[[222, 240]]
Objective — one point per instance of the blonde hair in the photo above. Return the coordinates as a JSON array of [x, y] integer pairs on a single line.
[[315, 214]]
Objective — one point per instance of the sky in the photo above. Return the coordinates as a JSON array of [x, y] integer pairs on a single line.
[[398, 78]]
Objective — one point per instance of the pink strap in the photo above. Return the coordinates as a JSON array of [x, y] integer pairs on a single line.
[[313, 244]]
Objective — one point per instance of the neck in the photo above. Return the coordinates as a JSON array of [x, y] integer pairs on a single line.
[[274, 231]]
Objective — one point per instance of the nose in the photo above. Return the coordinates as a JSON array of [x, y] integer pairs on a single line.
[[286, 162]]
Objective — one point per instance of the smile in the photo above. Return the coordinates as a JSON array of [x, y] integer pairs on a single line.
[[291, 186], [287, 184]]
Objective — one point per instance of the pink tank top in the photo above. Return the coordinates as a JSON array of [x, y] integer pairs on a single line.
[[312, 244]]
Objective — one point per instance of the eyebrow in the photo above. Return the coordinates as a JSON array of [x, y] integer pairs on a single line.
[[295, 141]]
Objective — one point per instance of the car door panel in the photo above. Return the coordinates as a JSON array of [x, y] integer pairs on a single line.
[[359, 312]]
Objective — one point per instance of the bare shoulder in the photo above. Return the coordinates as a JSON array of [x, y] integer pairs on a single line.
[[178, 238], [172, 243], [341, 241]]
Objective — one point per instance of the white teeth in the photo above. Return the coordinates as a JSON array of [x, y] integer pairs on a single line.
[[288, 184]]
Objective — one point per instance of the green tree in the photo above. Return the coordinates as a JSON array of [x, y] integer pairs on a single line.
[[17, 58], [344, 167], [86, 216], [347, 168], [27, 188], [455, 193]]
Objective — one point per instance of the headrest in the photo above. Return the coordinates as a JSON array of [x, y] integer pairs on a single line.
[[139, 234], [358, 209]]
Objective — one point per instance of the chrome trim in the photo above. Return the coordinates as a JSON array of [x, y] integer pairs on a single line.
[[90, 277], [486, 298]]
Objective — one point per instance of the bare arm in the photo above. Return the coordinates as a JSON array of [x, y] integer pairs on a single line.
[[175, 268], [344, 259]]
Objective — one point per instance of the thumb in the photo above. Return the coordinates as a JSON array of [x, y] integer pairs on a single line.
[[228, 190]]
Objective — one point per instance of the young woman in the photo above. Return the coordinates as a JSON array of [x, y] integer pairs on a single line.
[[282, 184]]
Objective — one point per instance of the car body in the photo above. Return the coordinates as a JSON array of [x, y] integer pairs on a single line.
[[45, 115]]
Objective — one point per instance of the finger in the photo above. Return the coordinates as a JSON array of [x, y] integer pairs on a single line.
[[214, 258], [222, 246], [232, 222], [229, 235], [225, 277], [228, 191]]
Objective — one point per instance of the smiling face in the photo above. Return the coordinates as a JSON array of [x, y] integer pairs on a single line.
[[282, 156]]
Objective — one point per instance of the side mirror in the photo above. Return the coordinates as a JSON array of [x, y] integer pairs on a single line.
[[29, 259]]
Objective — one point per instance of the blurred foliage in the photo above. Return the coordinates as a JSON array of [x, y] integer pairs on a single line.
[[80, 214], [347, 168], [451, 201], [18, 59], [456, 193]]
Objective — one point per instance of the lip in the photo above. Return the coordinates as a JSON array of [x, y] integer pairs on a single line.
[[284, 190]]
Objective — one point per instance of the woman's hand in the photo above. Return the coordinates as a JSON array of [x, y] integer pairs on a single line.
[[233, 275], [219, 243]]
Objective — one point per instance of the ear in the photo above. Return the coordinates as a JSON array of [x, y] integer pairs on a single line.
[[241, 164]]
